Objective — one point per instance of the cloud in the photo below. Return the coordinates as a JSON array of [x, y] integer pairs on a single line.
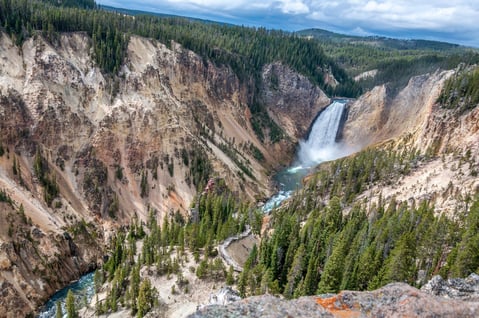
[[360, 32], [444, 20], [294, 7]]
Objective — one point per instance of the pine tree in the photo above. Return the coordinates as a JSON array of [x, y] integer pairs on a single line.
[[333, 269], [134, 287], [15, 167], [230, 279], [295, 273], [146, 298], [70, 305], [312, 275], [144, 184], [243, 282], [59, 311], [98, 280], [400, 265], [467, 252]]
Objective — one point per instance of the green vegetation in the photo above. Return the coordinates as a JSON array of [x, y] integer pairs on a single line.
[[144, 184], [244, 50], [398, 71], [21, 19], [231, 152], [58, 310], [200, 168], [46, 178], [119, 172], [85, 4], [164, 251], [395, 60], [70, 305], [324, 240], [15, 167], [257, 154], [348, 177], [322, 248], [4, 197], [461, 92], [260, 120], [146, 298]]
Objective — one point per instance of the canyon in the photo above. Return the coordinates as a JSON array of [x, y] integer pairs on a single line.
[[117, 148]]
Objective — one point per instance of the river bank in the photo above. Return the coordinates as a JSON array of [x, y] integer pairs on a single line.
[[83, 289]]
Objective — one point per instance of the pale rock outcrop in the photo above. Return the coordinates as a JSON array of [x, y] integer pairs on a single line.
[[414, 120], [377, 116], [393, 300]]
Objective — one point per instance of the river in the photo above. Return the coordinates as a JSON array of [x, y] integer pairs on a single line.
[[83, 288], [320, 146]]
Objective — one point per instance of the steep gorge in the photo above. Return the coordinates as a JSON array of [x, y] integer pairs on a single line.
[[85, 153], [445, 138]]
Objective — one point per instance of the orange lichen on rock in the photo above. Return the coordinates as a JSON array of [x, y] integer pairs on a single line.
[[336, 307]]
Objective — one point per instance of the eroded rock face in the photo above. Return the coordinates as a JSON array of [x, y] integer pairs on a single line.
[[35, 264], [166, 101], [393, 300], [117, 147], [377, 115], [444, 138], [455, 288], [292, 100]]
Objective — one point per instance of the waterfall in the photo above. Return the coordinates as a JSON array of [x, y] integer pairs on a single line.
[[321, 143], [320, 146]]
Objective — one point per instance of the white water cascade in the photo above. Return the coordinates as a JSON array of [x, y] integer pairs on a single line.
[[321, 143], [320, 146]]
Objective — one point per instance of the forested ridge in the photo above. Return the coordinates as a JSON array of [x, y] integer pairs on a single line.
[[245, 50], [461, 92], [395, 60], [324, 240]]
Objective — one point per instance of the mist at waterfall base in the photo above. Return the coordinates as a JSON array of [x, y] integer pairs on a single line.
[[320, 146]]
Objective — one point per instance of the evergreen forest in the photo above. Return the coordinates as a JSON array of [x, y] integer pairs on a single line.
[[327, 237], [245, 50], [395, 60]]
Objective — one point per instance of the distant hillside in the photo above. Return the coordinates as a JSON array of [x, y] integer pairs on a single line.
[[395, 60], [380, 42], [157, 14]]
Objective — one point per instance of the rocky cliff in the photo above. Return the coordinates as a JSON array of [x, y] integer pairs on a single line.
[[284, 90], [378, 115], [90, 151], [446, 173], [439, 298]]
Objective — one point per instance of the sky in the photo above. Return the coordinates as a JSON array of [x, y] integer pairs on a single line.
[[454, 21]]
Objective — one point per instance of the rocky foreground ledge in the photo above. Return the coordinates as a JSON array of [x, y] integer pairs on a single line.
[[438, 298]]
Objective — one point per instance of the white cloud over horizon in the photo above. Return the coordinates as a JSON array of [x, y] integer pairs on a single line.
[[441, 20]]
